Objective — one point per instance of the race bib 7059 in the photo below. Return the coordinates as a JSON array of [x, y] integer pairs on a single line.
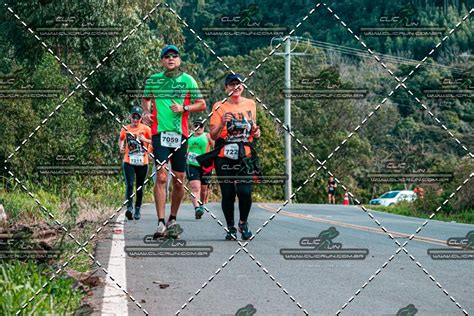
[[170, 139]]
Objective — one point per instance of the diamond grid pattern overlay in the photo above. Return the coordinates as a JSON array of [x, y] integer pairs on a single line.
[[401, 83], [313, 157]]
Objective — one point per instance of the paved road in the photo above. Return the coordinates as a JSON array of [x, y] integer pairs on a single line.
[[275, 286]]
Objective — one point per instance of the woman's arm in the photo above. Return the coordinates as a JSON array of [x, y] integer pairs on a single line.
[[121, 145], [211, 141], [144, 139], [216, 131]]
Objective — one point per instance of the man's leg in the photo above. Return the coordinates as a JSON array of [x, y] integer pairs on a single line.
[[177, 192], [160, 154], [329, 198], [178, 165], [159, 191]]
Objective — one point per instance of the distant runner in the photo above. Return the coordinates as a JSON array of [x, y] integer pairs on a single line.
[[199, 143], [173, 95], [332, 185], [233, 126], [135, 159]]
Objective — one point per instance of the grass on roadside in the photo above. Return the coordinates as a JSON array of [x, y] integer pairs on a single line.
[[20, 280], [408, 209], [20, 206], [86, 205]]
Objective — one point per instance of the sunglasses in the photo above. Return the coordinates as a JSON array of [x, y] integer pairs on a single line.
[[168, 56], [234, 84], [136, 117], [198, 126]]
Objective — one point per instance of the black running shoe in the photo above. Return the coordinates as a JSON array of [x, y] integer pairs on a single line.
[[199, 212], [129, 214], [245, 231], [232, 234], [173, 229], [137, 213]]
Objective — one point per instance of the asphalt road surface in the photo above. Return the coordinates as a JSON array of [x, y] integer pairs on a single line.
[[359, 266]]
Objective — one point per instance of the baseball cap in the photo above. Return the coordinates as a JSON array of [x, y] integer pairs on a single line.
[[167, 48], [136, 110], [232, 77], [198, 120]]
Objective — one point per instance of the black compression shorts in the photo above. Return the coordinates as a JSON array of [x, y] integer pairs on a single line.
[[178, 159], [197, 173]]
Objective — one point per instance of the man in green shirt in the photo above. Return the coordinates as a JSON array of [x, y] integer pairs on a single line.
[[168, 98], [199, 177]]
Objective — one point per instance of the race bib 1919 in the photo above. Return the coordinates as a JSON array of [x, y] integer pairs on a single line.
[[231, 151], [137, 159], [170, 139]]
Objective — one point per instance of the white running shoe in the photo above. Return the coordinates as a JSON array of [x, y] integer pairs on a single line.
[[160, 231]]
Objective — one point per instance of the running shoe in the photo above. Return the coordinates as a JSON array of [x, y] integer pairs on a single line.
[[128, 213], [231, 234], [137, 213], [173, 229], [160, 231], [245, 231], [199, 212]]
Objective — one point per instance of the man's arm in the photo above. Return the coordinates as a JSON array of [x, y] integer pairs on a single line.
[[146, 104], [198, 106]]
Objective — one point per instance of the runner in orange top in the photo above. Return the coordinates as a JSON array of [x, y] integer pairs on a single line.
[[233, 126], [240, 118], [134, 144]]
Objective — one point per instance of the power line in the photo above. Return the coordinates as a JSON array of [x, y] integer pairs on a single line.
[[364, 54]]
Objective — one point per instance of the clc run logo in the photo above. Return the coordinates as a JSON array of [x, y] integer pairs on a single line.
[[323, 247]]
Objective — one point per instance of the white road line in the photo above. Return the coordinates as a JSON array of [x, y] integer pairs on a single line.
[[115, 300]]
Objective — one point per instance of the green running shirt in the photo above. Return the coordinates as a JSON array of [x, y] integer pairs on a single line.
[[183, 89], [197, 145]]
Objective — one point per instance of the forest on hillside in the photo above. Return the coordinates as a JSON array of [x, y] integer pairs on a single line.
[[401, 132]]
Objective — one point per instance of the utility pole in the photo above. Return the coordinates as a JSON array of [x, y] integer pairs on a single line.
[[287, 112], [287, 119]]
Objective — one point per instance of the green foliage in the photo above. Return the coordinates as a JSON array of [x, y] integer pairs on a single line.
[[20, 280], [400, 129], [408, 209], [20, 206]]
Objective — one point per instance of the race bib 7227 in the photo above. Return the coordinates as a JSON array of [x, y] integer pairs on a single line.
[[231, 151]]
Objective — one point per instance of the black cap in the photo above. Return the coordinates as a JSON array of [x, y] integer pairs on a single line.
[[232, 77], [136, 110], [168, 48], [198, 120]]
